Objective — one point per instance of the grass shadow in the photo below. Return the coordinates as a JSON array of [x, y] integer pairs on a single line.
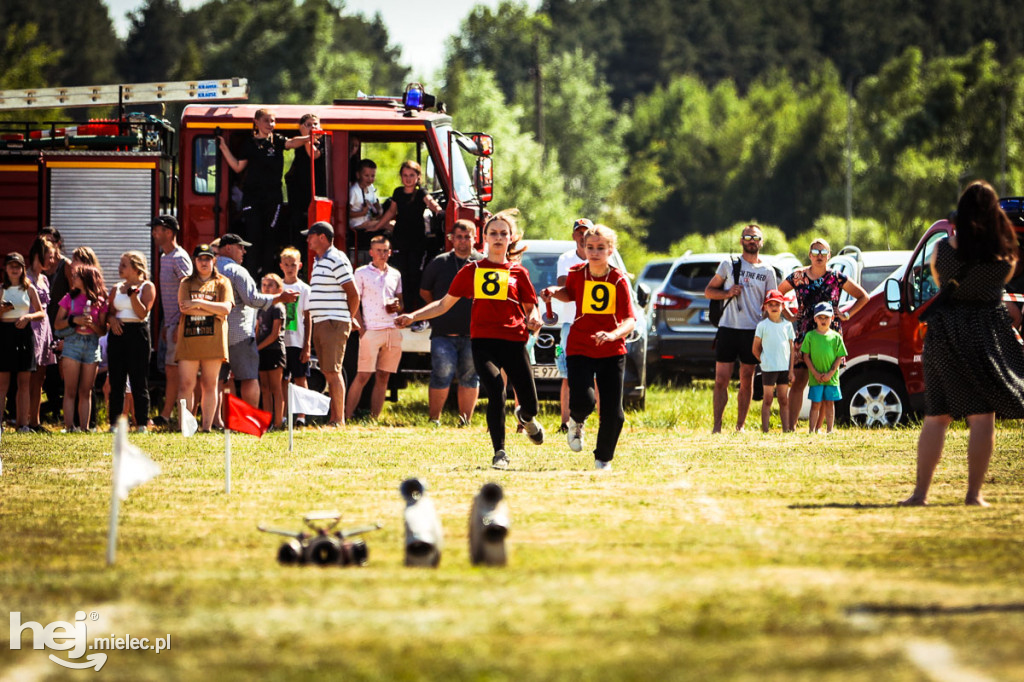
[[858, 505], [933, 609]]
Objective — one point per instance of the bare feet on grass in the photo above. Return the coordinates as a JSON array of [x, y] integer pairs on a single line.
[[913, 501], [976, 501]]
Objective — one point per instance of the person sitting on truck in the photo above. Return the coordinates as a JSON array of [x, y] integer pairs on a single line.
[[261, 156], [813, 285], [409, 236], [300, 189], [364, 209], [973, 361]]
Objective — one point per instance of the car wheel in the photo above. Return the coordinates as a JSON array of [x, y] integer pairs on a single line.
[[874, 398]]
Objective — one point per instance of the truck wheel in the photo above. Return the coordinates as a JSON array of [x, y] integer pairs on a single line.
[[873, 398]]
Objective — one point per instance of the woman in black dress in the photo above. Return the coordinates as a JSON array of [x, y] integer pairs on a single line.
[[973, 359], [409, 236]]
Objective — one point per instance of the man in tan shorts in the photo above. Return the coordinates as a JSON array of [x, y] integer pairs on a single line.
[[332, 296], [380, 340]]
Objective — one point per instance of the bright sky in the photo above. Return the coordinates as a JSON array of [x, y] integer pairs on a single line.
[[421, 28]]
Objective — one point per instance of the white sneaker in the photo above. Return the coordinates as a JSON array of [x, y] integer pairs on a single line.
[[575, 435], [602, 466], [534, 431], [500, 461], [435, 422]]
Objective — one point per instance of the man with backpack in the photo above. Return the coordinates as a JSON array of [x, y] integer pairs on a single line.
[[741, 285]]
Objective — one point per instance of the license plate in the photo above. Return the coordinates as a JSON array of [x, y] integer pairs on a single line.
[[705, 316], [545, 372]]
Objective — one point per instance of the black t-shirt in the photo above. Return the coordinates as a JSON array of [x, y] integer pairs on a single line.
[[410, 233], [437, 277], [263, 173], [297, 177]]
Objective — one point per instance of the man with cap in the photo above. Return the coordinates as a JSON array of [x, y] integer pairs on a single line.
[[243, 358], [567, 311], [332, 298], [744, 295], [174, 266]]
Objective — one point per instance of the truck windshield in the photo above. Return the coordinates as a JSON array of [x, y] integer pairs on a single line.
[[462, 181]]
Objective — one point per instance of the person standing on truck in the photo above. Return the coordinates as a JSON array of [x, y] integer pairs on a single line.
[[297, 179], [735, 338], [261, 156], [973, 359], [332, 299], [504, 314], [175, 265], [451, 352], [409, 235], [815, 284]]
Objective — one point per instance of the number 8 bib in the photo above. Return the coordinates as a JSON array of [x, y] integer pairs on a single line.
[[598, 298], [490, 283]]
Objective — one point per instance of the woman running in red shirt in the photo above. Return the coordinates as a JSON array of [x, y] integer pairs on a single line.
[[596, 347], [504, 313]]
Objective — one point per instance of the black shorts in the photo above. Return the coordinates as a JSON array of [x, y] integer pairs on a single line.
[[294, 369], [775, 378], [735, 344]]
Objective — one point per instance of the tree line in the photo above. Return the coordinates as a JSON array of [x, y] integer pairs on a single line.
[[669, 121]]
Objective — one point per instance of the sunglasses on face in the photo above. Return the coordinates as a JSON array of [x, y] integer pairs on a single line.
[[751, 238], [819, 252]]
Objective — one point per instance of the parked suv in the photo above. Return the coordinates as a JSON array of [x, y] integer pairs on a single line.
[[681, 334], [541, 260]]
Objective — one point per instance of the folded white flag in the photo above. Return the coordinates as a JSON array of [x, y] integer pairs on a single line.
[[189, 425], [305, 401], [134, 469]]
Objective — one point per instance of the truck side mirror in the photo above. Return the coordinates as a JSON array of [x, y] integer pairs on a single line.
[[643, 294], [484, 179], [892, 294]]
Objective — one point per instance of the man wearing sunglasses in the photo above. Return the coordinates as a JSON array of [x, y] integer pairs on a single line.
[[744, 296]]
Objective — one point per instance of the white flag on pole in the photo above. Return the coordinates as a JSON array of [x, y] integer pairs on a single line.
[[304, 401], [134, 468], [189, 425]]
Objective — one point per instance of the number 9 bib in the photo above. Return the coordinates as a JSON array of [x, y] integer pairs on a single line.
[[598, 298], [490, 283]]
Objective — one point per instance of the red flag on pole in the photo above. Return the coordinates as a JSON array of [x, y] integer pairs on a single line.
[[245, 418]]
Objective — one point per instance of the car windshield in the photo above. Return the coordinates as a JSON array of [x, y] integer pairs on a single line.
[[461, 180], [656, 272], [543, 268], [692, 276], [873, 276]]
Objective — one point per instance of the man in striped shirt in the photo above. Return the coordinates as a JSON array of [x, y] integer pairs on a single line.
[[332, 297]]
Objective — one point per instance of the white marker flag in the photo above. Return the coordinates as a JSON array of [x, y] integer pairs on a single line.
[[134, 468], [189, 425], [304, 401]]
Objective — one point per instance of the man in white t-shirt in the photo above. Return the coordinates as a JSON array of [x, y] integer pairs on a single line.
[[567, 311], [743, 310]]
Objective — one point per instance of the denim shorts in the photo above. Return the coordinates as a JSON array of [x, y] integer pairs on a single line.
[[84, 348], [450, 355], [818, 393]]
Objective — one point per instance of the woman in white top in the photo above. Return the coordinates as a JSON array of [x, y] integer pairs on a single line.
[[20, 306], [128, 345]]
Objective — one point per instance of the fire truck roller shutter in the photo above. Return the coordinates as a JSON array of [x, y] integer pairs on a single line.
[[104, 208]]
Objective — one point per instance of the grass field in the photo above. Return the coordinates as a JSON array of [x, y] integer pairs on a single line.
[[741, 556]]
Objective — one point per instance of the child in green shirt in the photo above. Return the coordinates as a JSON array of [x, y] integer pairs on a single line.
[[823, 351]]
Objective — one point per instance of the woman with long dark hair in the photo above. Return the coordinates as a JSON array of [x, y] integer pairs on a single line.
[[973, 359]]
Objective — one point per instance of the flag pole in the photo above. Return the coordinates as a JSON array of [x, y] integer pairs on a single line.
[[291, 420], [120, 440], [227, 450]]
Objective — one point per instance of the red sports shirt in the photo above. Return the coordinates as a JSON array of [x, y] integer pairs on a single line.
[[499, 292], [602, 303]]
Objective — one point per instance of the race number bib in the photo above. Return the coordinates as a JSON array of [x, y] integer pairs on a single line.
[[492, 284], [598, 298]]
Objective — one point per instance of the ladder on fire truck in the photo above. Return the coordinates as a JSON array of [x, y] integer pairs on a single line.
[[127, 93]]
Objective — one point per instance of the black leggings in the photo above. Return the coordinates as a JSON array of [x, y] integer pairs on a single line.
[[490, 357], [128, 359], [609, 373]]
